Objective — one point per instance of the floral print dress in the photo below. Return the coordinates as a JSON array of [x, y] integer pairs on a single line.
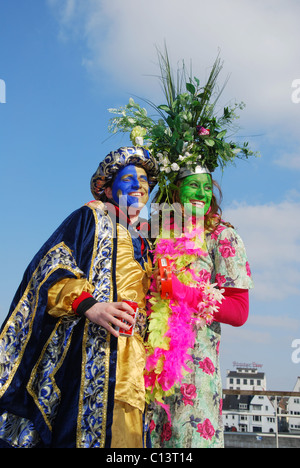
[[196, 407]]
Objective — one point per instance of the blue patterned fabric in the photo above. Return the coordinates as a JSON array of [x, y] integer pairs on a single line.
[[57, 375]]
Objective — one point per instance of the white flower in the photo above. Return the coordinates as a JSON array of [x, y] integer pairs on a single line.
[[139, 141], [163, 159], [175, 167], [166, 169]]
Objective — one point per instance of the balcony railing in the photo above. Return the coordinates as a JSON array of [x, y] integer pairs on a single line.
[[274, 395]]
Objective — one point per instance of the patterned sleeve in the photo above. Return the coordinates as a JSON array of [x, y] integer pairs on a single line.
[[231, 264]]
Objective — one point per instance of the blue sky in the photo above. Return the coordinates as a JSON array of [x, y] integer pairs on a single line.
[[65, 62]]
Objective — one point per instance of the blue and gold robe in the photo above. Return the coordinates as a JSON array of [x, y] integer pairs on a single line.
[[57, 374]]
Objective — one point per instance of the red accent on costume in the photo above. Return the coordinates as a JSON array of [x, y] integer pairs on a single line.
[[234, 308], [84, 295]]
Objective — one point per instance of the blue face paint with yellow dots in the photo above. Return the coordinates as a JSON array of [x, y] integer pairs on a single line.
[[131, 184]]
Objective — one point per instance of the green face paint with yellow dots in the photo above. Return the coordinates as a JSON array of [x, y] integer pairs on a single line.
[[195, 194]]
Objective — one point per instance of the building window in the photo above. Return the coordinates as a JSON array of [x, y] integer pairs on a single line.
[[256, 407], [257, 418], [257, 429], [243, 406]]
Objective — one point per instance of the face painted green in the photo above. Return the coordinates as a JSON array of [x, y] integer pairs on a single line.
[[195, 193]]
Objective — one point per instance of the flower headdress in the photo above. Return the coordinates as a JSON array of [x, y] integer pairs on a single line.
[[188, 132]]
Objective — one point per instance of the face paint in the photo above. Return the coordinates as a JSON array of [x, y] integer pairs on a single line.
[[131, 183], [195, 193]]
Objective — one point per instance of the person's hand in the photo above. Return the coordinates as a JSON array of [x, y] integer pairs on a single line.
[[110, 314], [157, 278]]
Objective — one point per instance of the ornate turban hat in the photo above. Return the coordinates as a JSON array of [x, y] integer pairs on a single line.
[[118, 159]]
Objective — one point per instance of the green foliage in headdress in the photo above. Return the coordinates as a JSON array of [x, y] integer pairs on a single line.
[[188, 130]]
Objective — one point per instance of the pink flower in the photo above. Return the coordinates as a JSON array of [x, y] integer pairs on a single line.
[[221, 406], [226, 249], [202, 130], [217, 232], [207, 366], [188, 393], [151, 426], [166, 432], [149, 380], [204, 276], [206, 430], [248, 269], [218, 348], [220, 279]]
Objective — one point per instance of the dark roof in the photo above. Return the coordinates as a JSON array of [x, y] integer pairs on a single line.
[[245, 375], [232, 402]]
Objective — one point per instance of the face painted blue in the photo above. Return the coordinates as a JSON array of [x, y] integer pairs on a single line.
[[131, 182]]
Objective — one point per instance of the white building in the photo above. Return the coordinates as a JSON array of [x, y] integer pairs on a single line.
[[263, 415], [236, 413], [246, 413], [293, 408], [246, 378]]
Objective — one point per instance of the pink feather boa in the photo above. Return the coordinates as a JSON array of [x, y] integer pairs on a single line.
[[192, 306]]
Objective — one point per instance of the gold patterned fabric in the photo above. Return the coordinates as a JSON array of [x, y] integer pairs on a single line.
[[132, 283], [63, 293]]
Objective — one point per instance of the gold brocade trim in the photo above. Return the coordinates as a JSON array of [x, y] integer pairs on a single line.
[[12, 321], [105, 398], [107, 355], [96, 204], [80, 405], [98, 209], [56, 367]]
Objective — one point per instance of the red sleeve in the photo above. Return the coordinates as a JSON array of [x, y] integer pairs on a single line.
[[84, 295], [234, 308]]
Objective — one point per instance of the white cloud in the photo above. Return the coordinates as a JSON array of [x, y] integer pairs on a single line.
[[234, 336], [289, 161], [269, 321], [258, 42], [272, 237]]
